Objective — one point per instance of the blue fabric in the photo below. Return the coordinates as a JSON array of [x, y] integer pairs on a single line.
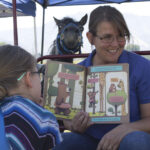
[[76, 141], [135, 141], [83, 2], [28, 125], [27, 7], [139, 88], [3, 140]]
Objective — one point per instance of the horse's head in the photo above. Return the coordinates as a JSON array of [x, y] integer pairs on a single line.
[[69, 36]]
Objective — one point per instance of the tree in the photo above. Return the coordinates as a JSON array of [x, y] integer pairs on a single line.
[[132, 47], [71, 84], [116, 98], [2, 43], [52, 90]]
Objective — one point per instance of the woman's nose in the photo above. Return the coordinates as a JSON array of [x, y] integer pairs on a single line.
[[115, 42]]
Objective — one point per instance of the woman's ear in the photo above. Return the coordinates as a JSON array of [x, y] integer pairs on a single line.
[[28, 80], [90, 37]]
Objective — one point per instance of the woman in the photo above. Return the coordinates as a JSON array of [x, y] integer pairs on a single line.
[[28, 126], [108, 32]]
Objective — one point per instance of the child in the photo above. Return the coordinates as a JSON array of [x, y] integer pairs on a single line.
[[27, 124]]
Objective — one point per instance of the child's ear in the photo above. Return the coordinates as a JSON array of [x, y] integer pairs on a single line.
[[27, 78]]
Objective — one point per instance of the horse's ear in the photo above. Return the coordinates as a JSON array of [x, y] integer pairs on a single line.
[[57, 21], [83, 20]]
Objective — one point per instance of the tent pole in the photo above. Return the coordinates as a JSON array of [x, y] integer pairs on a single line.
[[43, 27], [35, 38], [15, 23]]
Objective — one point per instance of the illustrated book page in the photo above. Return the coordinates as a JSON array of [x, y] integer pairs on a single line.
[[102, 91], [107, 93], [64, 89]]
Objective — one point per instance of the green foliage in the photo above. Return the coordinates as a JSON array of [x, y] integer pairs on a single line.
[[70, 116], [110, 109], [53, 69], [96, 101], [97, 114], [147, 56], [89, 86], [52, 91], [73, 69], [132, 47], [117, 93], [82, 103], [80, 82], [2, 43]]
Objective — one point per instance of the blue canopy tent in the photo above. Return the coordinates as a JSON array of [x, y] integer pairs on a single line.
[[81, 2], [25, 7]]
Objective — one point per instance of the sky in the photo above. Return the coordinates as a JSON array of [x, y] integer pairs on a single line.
[[135, 8]]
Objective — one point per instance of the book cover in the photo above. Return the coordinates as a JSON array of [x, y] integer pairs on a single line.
[[102, 91]]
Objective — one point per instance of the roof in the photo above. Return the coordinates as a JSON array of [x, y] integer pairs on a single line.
[[8, 12], [23, 7]]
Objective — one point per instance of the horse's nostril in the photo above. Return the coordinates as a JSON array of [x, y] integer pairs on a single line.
[[66, 30]]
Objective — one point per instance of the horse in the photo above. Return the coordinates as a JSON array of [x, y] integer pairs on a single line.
[[69, 37]]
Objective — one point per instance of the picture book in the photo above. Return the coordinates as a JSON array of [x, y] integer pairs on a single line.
[[102, 91]]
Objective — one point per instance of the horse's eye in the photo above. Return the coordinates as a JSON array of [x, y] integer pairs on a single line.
[[66, 29], [81, 28], [77, 30], [60, 26]]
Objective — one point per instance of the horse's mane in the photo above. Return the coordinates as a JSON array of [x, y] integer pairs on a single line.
[[67, 20]]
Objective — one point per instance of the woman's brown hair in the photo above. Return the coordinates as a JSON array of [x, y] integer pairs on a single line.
[[110, 14]]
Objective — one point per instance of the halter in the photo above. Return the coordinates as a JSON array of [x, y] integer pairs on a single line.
[[60, 37]]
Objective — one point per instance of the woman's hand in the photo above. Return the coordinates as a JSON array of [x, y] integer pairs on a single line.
[[112, 139], [80, 122]]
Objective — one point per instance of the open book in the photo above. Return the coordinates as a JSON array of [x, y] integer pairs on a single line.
[[102, 91]]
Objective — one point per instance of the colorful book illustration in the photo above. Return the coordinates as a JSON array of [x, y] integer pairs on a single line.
[[102, 91]]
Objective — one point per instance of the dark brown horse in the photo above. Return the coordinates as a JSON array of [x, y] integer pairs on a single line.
[[69, 37]]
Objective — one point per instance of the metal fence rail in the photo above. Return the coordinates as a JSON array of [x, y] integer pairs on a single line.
[[80, 55]]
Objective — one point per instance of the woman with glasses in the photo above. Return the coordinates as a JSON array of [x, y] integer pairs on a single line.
[[108, 34], [28, 126]]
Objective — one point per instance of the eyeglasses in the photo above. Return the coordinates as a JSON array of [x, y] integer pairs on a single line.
[[40, 74], [108, 39], [34, 72], [18, 79]]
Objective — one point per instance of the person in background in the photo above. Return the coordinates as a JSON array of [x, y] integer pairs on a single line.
[[28, 126], [108, 33]]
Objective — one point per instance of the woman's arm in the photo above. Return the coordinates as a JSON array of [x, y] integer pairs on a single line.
[[144, 123]]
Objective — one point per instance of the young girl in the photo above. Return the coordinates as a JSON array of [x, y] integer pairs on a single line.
[[28, 125]]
